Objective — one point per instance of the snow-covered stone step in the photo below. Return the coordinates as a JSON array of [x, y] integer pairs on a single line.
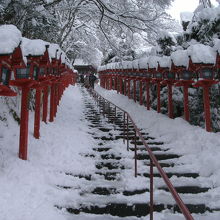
[[193, 175], [187, 189], [138, 210], [158, 155]]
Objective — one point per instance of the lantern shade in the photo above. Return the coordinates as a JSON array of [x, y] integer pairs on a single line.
[[170, 75], [206, 73], [23, 73], [5, 75], [186, 75], [36, 73], [158, 75], [42, 71], [148, 75]]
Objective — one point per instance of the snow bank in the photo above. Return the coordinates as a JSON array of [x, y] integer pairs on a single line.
[[29, 188], [10, 38]]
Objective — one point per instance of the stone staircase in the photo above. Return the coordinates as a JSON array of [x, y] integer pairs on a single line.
[[113, 190]]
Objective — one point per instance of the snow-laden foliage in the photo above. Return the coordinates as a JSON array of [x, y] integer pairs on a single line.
[[79, 26], [202, 32]]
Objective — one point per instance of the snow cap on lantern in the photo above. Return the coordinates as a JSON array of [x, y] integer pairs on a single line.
[[10, 38]]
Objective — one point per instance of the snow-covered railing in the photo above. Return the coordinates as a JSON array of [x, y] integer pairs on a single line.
[[153, 160], [197, 66], [32, 65]]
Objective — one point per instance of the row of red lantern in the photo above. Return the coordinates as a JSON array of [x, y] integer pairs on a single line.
[[197, 75], [38, 74]]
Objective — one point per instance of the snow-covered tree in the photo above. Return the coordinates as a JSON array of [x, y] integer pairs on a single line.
[[70, 23]]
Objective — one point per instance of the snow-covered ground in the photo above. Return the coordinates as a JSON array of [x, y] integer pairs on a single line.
[[30, 189]]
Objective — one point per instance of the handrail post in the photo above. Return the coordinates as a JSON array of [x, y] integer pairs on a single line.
[[135, 154], [108, 111], [115, 115], [103, 107], [127, 135], [151, 190]]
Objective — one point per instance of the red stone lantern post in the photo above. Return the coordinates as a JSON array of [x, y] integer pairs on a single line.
[[185, 81], [7, 64], [44, 79], [134, 86], [147, 79], [54, 96], [169, 80], [139, 78], [24, 81], [206, 80], [157, 79], [129, 78], [115, 80], [111, 79], [129, 85]]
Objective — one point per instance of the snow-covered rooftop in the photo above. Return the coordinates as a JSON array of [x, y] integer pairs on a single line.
[[10, 38], [33, 47], [200, 53], [54, 50], [217, 45], [143, 63], [208, 13], [153, 61], [165, 62], [79, 62], [180, 58], [186, 16]]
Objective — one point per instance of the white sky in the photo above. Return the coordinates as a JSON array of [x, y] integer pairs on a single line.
[[184, 5]]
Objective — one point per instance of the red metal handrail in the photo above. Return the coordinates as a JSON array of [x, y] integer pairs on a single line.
[[153, 161]]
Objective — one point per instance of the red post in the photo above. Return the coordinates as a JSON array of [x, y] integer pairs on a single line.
[[37, 114], [115, 83], [148, 94], [158, 97], [55, 99], [118, 84], [141, 93], [129, 85], [110, 82], [24, 124], [186, 102], [207, 108], [170, 101], [134, 87], [45, 104], [151, 189], [52, 93], [106, 82], [125, 86], [121, 82]]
